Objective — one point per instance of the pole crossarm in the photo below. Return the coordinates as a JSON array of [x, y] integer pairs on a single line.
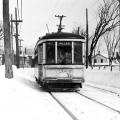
[[16, 21]]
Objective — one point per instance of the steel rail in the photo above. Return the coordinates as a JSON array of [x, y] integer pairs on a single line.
[[102, 89], [64, 107], [115, 110]]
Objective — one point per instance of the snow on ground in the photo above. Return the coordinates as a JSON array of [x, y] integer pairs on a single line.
[[85, 109], [22, 99], [104, 78]]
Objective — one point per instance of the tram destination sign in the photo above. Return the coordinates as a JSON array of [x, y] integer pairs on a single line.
[[64, 43]]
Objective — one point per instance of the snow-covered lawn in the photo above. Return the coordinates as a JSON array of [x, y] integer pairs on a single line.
[[104, 78]]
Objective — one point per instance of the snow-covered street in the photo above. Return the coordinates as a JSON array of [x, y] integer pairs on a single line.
[[22, 99]]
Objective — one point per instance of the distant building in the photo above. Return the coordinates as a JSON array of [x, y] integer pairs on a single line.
[[100, 59], [25, 61], [26, 58]]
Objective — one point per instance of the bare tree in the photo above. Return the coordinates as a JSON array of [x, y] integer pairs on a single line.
[[1, 31], [111, 40], [79, 30], [108, 20]]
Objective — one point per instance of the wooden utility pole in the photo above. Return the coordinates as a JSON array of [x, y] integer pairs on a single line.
[[86, 38], [7, 44], [60, 27], [11, 39], [16, 37], [20, 50], [20, 46]]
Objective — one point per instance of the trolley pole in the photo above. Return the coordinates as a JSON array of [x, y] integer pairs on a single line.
[[86, 38], [16, 37], [47, 28], [7, 42], [60, 27]]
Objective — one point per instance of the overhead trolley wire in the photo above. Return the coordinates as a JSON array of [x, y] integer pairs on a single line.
[[21, 9], [18, 9]]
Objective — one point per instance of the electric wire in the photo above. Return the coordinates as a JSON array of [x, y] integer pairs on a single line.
[[21, 9], [18, 9]]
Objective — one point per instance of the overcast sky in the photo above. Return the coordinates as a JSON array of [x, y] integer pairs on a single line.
[[38, 13]]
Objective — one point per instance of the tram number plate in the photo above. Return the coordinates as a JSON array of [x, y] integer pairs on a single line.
[[67, 73]]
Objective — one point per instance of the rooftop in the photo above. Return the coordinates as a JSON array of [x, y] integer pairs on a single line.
[[62, 35]]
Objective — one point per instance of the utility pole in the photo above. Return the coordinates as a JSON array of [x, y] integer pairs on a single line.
[[11, 38], [16, 37], [60, 27], [7, 44], [20, 50], [20, 45], [86, 38]]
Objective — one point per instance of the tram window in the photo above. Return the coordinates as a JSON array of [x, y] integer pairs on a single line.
[[77, 52], [50, 52], [40, 54], [64, 53]]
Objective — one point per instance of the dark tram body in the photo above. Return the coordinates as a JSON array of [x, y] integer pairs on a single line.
[[59, 61]]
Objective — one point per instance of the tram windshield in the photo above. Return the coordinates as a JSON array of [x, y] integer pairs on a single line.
[[78, 56], [50, 52], [64, 53]]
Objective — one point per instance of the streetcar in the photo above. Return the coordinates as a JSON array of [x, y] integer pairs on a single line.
[[59, 61]]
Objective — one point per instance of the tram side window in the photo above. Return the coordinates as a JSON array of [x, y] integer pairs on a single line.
[[35, 60], [64, 53], [78, 53], [50, 52], [40, 54]]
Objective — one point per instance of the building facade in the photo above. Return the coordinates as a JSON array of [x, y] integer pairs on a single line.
[[100, 59]]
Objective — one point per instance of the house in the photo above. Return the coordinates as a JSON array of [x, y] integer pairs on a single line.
[[100, 59]]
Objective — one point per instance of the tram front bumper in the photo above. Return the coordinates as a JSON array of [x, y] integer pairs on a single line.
[[63, 80]]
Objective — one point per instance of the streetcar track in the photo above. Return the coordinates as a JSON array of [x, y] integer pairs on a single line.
[[64, 107], [105, 90], [98, 102]]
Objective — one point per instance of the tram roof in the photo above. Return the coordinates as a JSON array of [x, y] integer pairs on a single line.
[[62, 35]]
